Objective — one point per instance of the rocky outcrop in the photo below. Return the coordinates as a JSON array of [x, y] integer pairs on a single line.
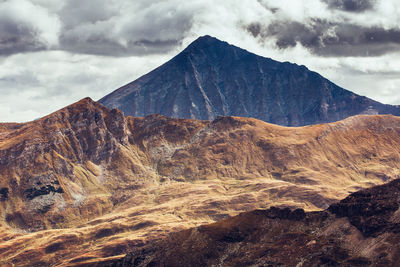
[[373, 210], [364, 232], [211, 78], [3, 193], [50, 165]]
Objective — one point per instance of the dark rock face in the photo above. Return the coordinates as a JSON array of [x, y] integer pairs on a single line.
[[361, 230], [212, 78], [3, 193], [31, 193], [371, 210], [286, 213]]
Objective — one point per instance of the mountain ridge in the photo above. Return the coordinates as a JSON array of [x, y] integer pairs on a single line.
[[87, 182], [211, 78]]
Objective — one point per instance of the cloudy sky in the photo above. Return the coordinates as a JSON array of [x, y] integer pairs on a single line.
[[55, 52]]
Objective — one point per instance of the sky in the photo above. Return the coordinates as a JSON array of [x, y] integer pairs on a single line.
[[56, 52]]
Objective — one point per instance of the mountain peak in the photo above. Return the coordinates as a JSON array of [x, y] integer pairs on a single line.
[[207, 39], [211, 78], [206, 44]]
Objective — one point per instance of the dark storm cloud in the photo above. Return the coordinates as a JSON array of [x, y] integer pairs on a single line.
[[125, 28], [351, 5], [98, 27], [139, 29], [16, 37], [25, 27], [325, 38]]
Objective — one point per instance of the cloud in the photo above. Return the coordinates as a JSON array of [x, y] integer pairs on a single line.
[[331, 32], [30, 90], [126, 28], [118, 28], [351, 5], [26, 27], [325, 38], [18, 38]]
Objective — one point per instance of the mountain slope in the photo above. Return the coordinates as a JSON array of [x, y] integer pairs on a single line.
[[361, 230], [86, 183], [211, 78]]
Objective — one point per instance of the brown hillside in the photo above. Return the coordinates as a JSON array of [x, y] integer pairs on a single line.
[[86, 183], [361, 230]]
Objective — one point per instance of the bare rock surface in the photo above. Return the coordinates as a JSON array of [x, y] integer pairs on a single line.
[[211, 78]]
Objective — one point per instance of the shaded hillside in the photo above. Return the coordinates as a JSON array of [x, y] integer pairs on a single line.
[[361, 230], [211, 78], [87, 183]]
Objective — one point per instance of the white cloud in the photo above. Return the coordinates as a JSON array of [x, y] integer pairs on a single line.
[[30, 90], [22, 17]]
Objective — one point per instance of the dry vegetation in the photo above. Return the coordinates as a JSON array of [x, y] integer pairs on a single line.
[[361, 230], [86, 183]]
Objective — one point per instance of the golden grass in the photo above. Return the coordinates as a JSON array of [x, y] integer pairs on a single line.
[[172, 174]]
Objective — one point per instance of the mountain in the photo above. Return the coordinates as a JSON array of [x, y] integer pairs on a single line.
[[361, 230], [85, 184], [211, 78]]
